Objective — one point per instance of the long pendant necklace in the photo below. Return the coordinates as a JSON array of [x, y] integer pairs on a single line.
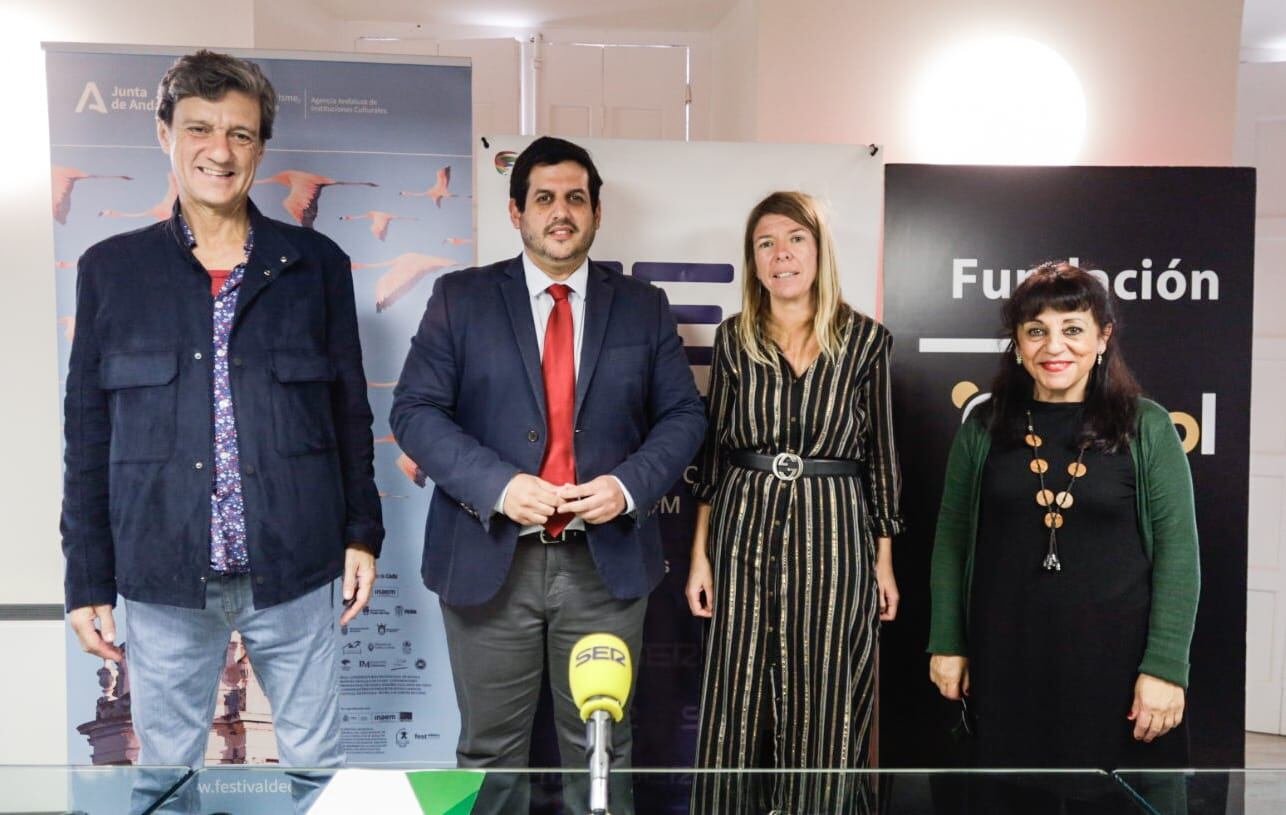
[[1054, 505]]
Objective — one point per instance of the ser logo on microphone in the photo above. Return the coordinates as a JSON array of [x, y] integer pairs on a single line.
[[600, 653], [599, 673]]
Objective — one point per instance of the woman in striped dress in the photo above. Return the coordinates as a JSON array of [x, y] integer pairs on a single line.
[[791, 559]]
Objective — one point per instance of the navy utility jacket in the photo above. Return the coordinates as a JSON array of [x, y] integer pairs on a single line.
[[139, 422]]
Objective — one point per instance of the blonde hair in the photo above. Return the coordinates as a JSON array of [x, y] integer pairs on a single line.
[[830, 309]]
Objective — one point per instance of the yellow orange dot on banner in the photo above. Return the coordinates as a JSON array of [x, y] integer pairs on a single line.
[[1044, 497], [963, 392], [1053, 520], [1064, 500], [1032, 440], [1076, 469], [1039, 465]]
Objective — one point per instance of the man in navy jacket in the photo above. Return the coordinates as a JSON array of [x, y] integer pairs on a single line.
[[550, 401], [218, 438]]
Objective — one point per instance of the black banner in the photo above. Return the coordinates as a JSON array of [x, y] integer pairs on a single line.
[[1176, 247]]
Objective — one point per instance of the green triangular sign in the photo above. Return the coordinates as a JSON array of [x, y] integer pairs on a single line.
[[446, 792]]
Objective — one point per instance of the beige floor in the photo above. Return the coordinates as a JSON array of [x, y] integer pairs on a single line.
[[1263, 750]]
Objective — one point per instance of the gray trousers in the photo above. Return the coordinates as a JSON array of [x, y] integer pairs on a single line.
[[552, 597]]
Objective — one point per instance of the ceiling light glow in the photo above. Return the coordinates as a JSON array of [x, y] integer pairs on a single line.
[[1002, 100]]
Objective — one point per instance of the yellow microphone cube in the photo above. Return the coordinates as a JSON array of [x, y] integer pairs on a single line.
[[600, 673]]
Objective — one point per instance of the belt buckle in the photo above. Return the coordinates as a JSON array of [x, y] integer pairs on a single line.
[[547, 539], [787, 466]]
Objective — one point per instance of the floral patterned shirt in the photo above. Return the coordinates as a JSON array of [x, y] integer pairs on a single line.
[[228, 552]]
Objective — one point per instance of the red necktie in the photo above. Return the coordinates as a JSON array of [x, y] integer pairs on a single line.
[[559, 367]]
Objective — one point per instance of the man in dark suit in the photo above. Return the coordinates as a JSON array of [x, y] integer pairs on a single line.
[[550, 401]]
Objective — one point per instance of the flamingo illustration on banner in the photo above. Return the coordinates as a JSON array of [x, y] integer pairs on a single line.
[[404, 463], [404, 271], [305, 189], [379, 221], [159, 212], [64, 178], [411, 470], [439, 190]]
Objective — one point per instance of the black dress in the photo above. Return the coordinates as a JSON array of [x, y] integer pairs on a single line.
[[1054, 656]]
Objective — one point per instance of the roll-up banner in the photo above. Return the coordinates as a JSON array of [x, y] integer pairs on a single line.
[[376, 154], [1175, 246], [674, 214]]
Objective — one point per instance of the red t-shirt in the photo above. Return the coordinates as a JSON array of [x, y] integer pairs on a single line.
[[217, 279]]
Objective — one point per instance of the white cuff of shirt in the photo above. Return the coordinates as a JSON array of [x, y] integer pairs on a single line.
[[629, 499]]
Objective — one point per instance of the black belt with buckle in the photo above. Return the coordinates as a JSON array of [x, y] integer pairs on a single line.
[[543, 537], [789, 466]]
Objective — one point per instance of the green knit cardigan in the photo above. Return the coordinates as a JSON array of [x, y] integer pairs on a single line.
[[1167, 526]]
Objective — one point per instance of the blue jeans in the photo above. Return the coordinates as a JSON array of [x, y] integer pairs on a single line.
[[175, 656]]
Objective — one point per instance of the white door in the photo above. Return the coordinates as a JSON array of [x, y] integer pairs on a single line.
[[497, 84], [645, 93], [1261, 143], [613, 91], [569, 91]]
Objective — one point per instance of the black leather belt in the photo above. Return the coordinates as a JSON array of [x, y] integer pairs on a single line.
[[543, 537], [789, 466]]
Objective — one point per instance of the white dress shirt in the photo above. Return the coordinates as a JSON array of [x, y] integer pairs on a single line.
[[542, 305]]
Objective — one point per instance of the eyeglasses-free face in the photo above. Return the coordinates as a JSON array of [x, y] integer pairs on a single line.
[[214, 149], [1059, 350]]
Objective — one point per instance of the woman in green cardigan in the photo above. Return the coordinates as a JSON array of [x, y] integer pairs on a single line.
[[1065, 572]]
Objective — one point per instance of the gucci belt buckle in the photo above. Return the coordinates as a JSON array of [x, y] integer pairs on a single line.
[[787, 466]]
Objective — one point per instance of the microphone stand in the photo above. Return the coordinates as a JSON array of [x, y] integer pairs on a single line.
[[599, 731]]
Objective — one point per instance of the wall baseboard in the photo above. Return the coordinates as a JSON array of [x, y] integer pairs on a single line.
[[28, 612]]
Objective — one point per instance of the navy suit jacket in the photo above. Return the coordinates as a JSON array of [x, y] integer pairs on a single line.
[[469, 410]]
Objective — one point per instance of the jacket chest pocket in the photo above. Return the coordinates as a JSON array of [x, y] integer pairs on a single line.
[[144, 403], [301, 413]]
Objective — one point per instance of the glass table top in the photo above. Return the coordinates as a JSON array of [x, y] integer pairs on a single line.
[[102, 790], [262, 790]]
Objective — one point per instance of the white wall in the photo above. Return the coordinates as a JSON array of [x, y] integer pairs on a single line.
[[735, 64], [1159, 75], [30, 481], [297, 25], [1261, 142]]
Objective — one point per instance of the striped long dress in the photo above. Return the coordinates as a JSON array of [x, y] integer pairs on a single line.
[[789, 670]]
